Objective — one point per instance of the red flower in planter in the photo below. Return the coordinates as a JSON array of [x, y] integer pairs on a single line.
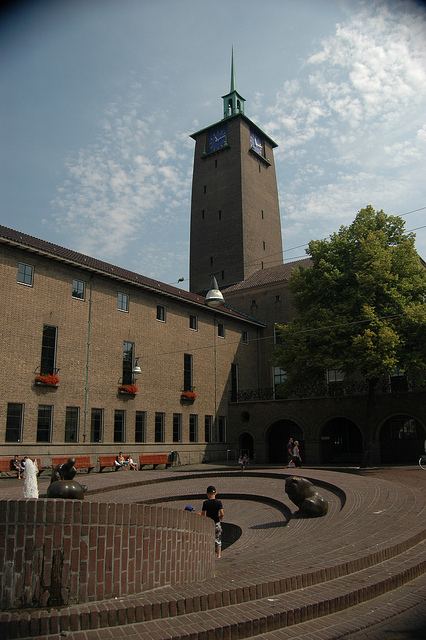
[[50, 379], [188, 395], [128, 388]]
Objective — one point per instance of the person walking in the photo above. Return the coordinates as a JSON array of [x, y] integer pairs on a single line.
[[289, 450], [213, 508], [296, 454]]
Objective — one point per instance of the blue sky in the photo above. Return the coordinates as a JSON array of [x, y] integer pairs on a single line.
[[98, 98]]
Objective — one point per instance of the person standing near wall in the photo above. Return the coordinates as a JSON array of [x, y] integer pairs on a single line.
[[213, 508]]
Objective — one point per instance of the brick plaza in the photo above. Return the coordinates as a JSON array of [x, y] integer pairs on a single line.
[[361, 566]]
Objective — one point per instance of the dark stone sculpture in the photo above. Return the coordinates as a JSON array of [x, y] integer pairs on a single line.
[[64, 471], [62, 484], [66, 489], [304, 495]]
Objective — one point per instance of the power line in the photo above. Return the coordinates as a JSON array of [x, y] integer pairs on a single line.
[[271, 337]]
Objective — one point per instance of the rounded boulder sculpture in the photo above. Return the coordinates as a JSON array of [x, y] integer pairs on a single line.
[[304, 495], [66, 489], [62, 483]]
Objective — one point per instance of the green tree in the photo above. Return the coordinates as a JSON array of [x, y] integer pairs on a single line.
[[361, 307]]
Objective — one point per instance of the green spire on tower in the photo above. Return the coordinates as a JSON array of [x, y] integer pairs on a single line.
[[233, 102], [233, 81]]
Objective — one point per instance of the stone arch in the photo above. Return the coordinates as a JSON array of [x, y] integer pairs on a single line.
[[401, 439], [246, 444], [340, 442], [277, 437]]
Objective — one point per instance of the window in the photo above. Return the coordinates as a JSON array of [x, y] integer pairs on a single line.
[[48, 350], [159, 427], [245, 337], [193, 322], [335, 379], [119, 425], [193, 428], [187, 372], [264, 245], [277, 298], [78, 289], [222, 429], [398, 381], [97, 425], [140, 426], [234, 382], [220, 214], [253, 303], [208, 428], [177, 427], [71, 424], [205, 188], [14, 422], [280, 376], [128, 348], [25, 274], [123, 302], [221, 330], [161, 313], [44, 423]]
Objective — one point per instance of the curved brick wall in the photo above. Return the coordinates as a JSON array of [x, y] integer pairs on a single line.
[[58, 552]]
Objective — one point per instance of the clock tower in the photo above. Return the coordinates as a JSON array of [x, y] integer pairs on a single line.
[[235, 217]]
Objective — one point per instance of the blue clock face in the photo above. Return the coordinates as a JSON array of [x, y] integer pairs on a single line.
[[256, 142], [218, 138]]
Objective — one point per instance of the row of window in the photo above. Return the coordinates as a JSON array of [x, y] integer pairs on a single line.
[[25, 276], [15, 422]]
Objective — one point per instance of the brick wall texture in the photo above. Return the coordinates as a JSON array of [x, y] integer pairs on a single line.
[[63, 552]]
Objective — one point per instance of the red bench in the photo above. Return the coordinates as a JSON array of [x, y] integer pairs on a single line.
[[155, 459], [81, 462], [6, 466], [109, 461]]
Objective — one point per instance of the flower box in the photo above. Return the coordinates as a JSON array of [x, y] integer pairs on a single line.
[[130, 389], [188, 396], [47, 379]]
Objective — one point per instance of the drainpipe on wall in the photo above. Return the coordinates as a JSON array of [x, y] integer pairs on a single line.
[[86, 389]]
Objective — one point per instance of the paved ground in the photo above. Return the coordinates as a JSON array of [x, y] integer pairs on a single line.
[[265, 539]]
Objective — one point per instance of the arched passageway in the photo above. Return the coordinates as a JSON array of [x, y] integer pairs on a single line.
[[341, 442], [245, 444], [277, 437], [401, 440]]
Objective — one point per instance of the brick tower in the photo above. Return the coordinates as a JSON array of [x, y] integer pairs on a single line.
[[235, 217]]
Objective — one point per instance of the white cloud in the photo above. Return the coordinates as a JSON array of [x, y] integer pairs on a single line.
[[121, 184], [360, 117]]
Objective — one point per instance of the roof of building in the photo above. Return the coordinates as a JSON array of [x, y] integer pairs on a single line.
[[56, 252], [271, 275]]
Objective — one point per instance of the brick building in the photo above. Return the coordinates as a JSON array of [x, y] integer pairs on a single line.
[[87, 322]]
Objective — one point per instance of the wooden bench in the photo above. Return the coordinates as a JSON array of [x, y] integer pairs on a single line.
[[6, 466], [81, 462], [155, 459], [109, 461]]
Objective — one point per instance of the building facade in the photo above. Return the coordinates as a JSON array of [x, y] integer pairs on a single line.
[[73, 328]]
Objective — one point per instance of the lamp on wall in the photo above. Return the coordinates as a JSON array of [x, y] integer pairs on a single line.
[[214, 298], [136, 368]]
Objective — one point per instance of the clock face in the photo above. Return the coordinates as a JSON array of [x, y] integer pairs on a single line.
[[218, 138], [256, 142]]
